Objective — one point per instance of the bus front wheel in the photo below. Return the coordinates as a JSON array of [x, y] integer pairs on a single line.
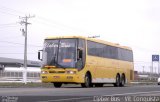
[[57, 85], [87, 81]]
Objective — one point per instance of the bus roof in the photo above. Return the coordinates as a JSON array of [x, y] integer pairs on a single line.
[[92, 39]]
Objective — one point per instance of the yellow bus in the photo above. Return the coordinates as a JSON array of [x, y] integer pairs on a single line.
[[86, 61]]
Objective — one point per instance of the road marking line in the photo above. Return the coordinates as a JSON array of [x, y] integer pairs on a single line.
[[132, 93], [66, 99], [102, 95]]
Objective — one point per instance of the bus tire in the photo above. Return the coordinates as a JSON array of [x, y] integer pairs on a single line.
[[122, 83], [99, 85], [117, 84], [87, 81], [57, 85]]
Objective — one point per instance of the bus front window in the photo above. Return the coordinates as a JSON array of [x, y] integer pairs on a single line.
[[67, 53], [50, 52], [60, 53]]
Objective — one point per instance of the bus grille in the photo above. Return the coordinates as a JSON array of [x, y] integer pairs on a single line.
[[56, 71]]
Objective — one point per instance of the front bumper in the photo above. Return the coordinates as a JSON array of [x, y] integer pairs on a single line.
[[63, 78]]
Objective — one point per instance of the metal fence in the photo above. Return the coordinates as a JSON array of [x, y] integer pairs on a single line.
[[7, 76]]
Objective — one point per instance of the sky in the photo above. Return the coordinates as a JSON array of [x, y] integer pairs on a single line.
[[133, 23]]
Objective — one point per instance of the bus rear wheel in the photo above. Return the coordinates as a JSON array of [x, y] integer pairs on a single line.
[[122, 83], [57, 85], [87, 81], [117, 84]]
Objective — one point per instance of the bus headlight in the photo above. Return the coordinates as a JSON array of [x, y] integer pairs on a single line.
[[44, 72], [70, 72]]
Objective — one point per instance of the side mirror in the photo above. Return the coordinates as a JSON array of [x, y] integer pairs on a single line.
[[79, 54], [40, 55], [79, 63]]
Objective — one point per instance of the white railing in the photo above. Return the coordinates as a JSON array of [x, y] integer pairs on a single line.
[[18, 76]]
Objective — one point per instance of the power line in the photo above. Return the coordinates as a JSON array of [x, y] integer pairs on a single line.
[[8, 37], [19, 43], [8, 24], [9, 11], [58, 24], [13, 46], [12, 42], [50, 22], [17, 53]]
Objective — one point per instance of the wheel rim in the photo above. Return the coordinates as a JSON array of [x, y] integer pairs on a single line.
[[123, 80], [117, 81], [87, 81]]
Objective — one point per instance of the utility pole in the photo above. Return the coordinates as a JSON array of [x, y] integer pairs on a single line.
[[24, 32], [151, 72], [158, 68], [143, 69]]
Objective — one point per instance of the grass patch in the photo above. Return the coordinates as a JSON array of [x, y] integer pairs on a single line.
[[22, 85]]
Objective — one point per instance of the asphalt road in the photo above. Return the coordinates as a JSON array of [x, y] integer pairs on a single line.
[[78, 94]]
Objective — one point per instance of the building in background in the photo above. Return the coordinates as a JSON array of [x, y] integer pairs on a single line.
[[12, 69]]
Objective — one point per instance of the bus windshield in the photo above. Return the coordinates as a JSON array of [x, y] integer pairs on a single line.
[[60, 53]]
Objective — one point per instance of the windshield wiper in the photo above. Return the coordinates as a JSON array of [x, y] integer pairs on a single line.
[[53, 60]]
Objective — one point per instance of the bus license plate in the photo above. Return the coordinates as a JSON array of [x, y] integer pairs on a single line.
[[56, 77]]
